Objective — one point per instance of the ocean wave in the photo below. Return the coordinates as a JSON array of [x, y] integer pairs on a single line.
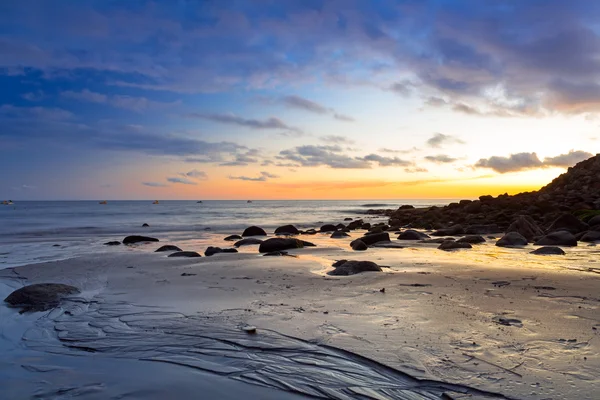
[[378, 205]]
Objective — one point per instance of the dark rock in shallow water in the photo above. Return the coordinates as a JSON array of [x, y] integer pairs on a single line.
[[374, 238], [560, 238], [309, 232], [591, 236], [358, 245], [247, 242], [548, 250], [168, 247], [437, 241], [472, 239], [454, 230], [525, 226], [345, 267], [214, 250], [389, 245], [287, 230], [568, 222], [145, 226], [40, 296], [328, 228], [254, 231], [411, 234], [232, 238], [482, 229], [348, 219], [339, 235], [185, 254], [512, 239], [453, 245], [138, 239], [113, 243], [278, 244], [276, 253], [355, 224]]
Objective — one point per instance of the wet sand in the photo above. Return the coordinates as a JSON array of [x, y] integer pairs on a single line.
[[477, 322]]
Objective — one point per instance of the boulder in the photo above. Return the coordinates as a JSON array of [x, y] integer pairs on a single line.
[[345, 267], [309, 232], [594, 221], [374, 238], [340, 226], [437, 241], [184, 254], [454, 230], [482, 229], [591, 236], [453, 245], [276, 253], [214, 250], [167, 247], [232, 238], [254, 231], [113, 243], [328, 228], [279, 244], [247, 242], [559, 238], [339, 235], [568, 222], [358, 245], [411, 234], [348, 219], [472, 239], [40, 296], [145, 226], [512, 239], [287, 230], [548, 250], [138, 239], [526, 226], [356, 224]]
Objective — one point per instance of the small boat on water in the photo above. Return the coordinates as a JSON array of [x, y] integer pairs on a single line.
[[7, 203], [155, 202], [103, 202]]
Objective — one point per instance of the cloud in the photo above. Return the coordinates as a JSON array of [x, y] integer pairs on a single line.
[[154, 184], [304, 104], [197, 174], [240, 160], [387, 161], [34, 96], [313, 156], [126, 102], [264, 176], [440, 159], [439, 139], [524, 161], [182, 180], [231, 119], [415, 170], [404, 88], [567, 160], [336, 139], [342, 117], [38, 113]]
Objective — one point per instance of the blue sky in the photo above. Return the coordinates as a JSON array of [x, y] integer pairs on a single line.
[[294, 99]]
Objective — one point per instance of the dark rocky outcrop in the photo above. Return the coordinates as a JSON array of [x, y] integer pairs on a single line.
[[247, 242], [454, 230], [482, 229], [559, 238], [472, 239], [339, 235], [348, 219], [167, 247], [232, 238], [356, 224], [279, 244], [411, 234], [328, 228], [591, 236], [40, 296], [254, 231], [526, 226], [145, 226], [352, 267], [374, 238], [113, 243], [138, 239], [568, 222], [454, 245], [594, 220], [287, 230], [358, 245], [437, 241], [512, 239], [214, 250], [548, 250], [190, 254]]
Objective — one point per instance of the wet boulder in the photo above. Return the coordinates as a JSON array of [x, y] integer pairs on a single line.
[[247, 242], [437, 241], [594, 221], [339, 235], [454, 245], [454, 230], [188, 254], [168, 247], [232, 238], [512, 239], [374, 238], [145, 226], [138, 239], [352, 267], [254, 231], [559, 238], [287, 230], [472, 239], [526, 226], [279, 244], [411, 234], [591, 236], [328, 228], [40, 296], [548, 250], [356, 224], [358, 245], [112, 243], [214, 250], [568, 222]]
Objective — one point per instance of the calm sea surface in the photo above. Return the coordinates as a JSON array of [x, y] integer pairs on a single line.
[[32, 231]]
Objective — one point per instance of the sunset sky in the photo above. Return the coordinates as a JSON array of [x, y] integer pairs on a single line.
[[306, 99]]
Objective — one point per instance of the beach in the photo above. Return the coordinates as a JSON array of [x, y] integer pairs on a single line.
[[486, 322]]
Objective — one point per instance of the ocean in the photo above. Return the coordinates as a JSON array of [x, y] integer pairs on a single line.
[[37, 231]]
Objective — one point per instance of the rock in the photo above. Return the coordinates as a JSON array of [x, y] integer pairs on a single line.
[[526, 226], [474, 207], [276, 253], [594, 221], [40, 296], [437, 241], [340, 226], [548, 250], [113, 243], [249, 329], [339, 235], [482, 229], [374, 238], [145, 225], [345, 267], [356, 224], [232, 238], [454, 230], [287, 230], [184, 254], [512, 239], [453, 245], [278, 244], [591, 236], [366, 226], [472, 239], [568, 222], [247, 242], [389, 245], [328, 228], [214, 250], [358, 245], [309, 232], [411, 234], [348, 219], [254, 231], [560, 238], [406, 207], [168, 247], [138, 239]]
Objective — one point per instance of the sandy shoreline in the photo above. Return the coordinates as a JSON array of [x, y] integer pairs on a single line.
[[500, 320]]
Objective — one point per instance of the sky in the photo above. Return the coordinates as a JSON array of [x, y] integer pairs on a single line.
[[294, 99]]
